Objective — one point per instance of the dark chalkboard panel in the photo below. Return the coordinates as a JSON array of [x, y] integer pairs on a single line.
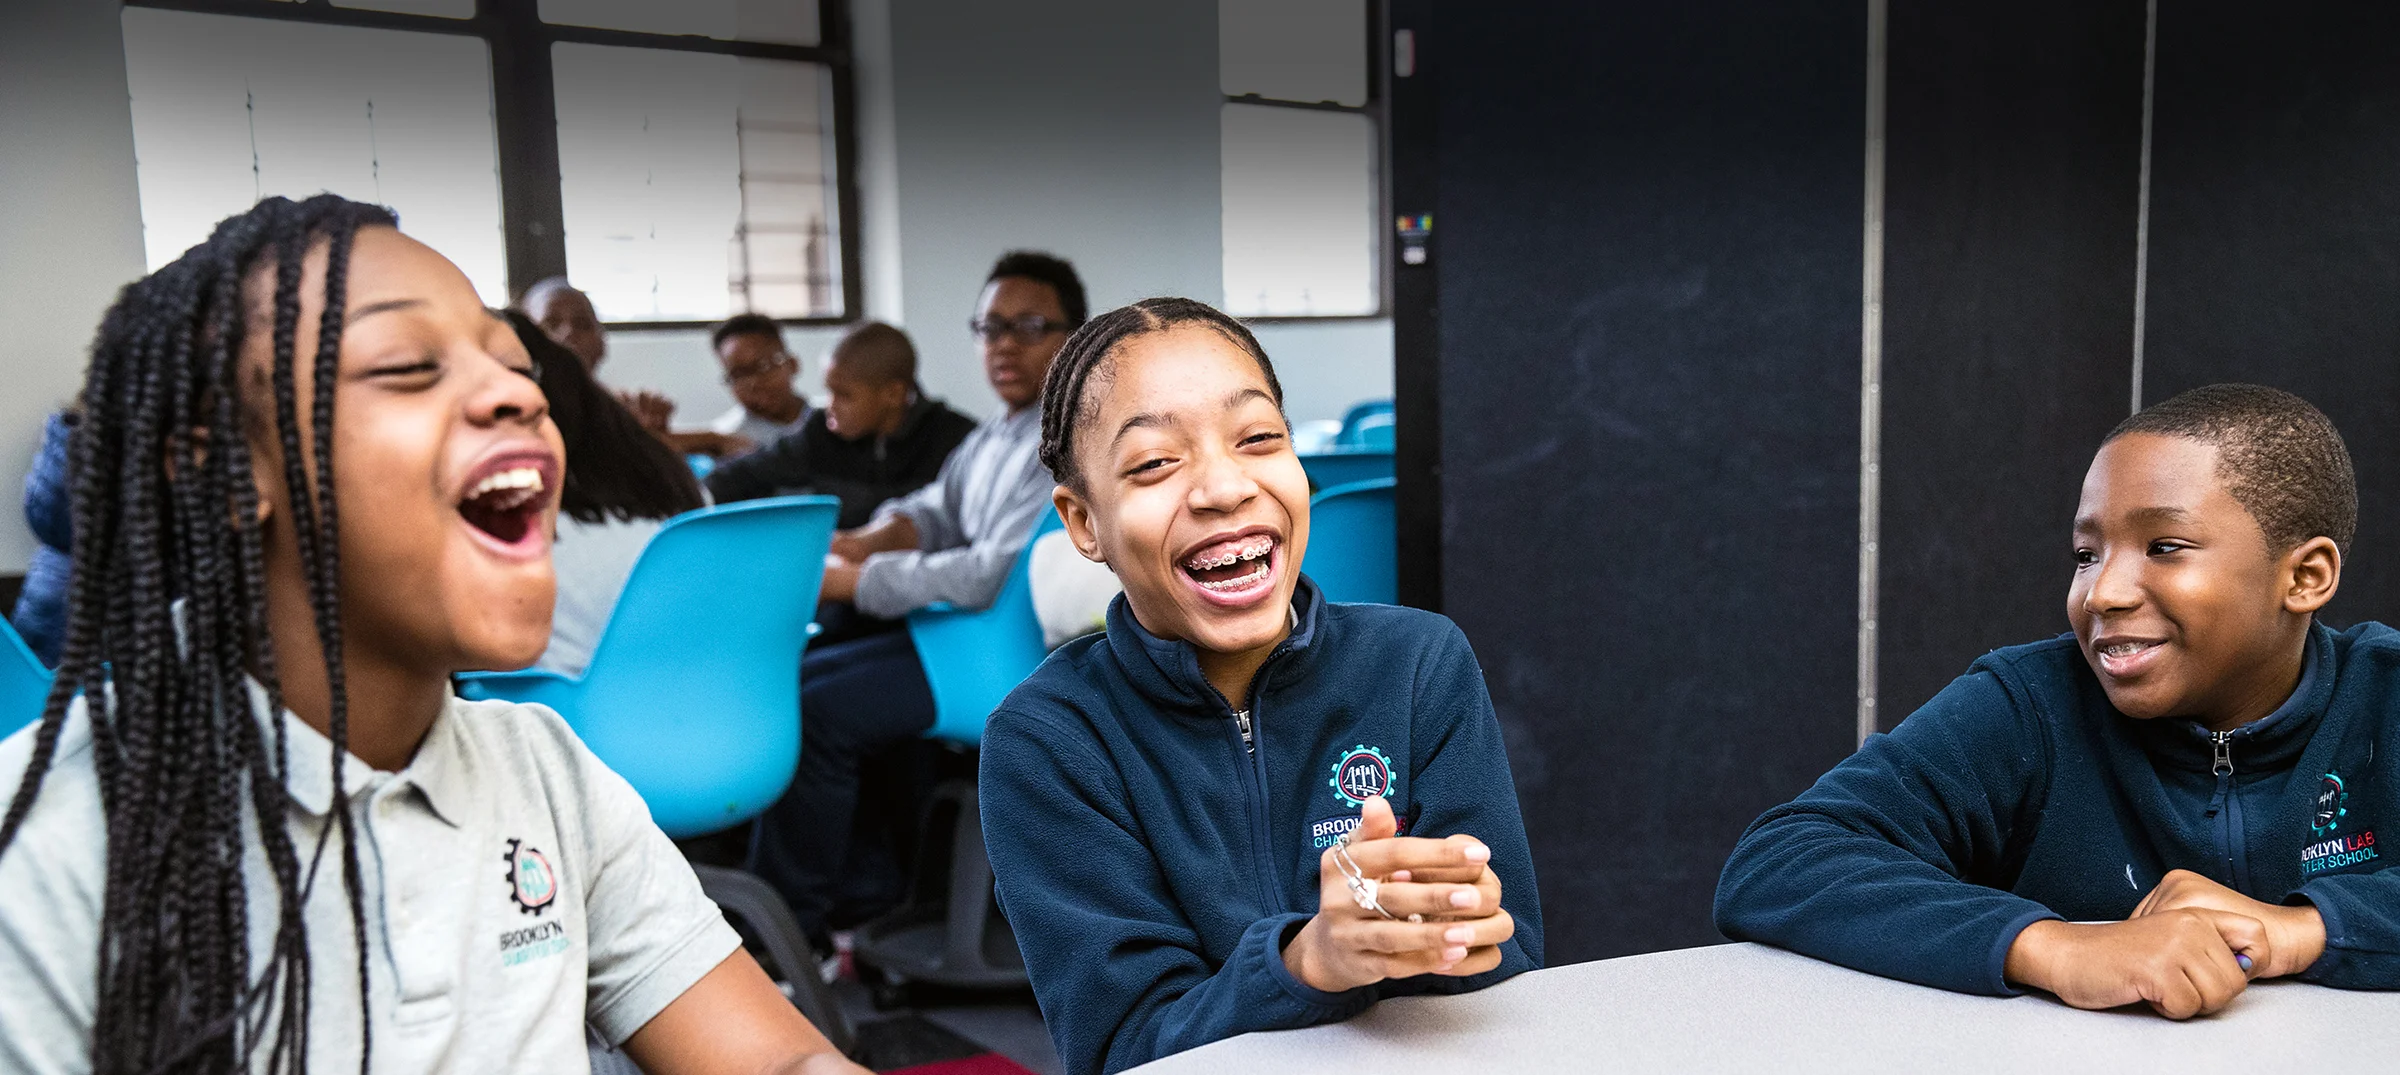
[[2275, 233], [2013, 163], [1649, 243]]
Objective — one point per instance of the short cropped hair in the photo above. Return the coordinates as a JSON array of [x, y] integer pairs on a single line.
[[1049, 269], [877, 352], [2278, 456], [746, 325]]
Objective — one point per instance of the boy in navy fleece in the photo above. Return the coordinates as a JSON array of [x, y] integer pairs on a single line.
[[2198, 771], [1162, 802]]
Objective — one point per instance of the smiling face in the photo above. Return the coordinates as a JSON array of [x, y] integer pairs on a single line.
[[1191, 492], [446, 463], [2179, 605]]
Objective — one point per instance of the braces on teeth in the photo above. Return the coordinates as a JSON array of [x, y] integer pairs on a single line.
[[1252, 551]]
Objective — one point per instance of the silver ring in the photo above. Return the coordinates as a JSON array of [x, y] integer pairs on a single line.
[[1363, 889]]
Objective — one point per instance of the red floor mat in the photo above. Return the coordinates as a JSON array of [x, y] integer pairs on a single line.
[[987, 1064]]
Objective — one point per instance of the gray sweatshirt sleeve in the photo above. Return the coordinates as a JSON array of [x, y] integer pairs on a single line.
[[934, 508], [966, 572]]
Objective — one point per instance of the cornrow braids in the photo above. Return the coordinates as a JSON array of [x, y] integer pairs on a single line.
[[2278, 456], [167, 632], [1086, 354]]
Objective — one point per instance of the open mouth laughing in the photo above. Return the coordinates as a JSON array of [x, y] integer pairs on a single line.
[[504, 500], [1235, 570]]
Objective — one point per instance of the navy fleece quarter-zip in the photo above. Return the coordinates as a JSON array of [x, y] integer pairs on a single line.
[[1155, 848], [2019, 794]]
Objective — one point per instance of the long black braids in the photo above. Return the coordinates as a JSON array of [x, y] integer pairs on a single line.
[[166, 633], [1085, 354]]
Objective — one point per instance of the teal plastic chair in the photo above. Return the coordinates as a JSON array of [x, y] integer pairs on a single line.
[[693, 692], [972, 659], [1353, 543], [954, 935], [1329, 469], [1372, 433], [1360, 413], [24, 682], [693, 696]]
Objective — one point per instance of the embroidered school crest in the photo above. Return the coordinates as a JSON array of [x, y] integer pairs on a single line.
[[1362, 774], [532, 884], [2332, 798]]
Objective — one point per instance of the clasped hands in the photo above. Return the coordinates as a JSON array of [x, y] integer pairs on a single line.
[[1447, 881], [2177, 953]]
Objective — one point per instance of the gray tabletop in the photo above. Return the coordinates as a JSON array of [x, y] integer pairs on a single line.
[[1743, 1007]]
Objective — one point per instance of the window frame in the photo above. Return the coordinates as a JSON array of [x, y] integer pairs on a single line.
[[525, 117], [1377, 110]]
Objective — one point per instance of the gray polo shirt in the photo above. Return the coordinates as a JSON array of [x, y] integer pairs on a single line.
[[515, 890]]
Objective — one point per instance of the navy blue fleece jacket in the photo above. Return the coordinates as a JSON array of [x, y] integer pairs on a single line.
[[2019, 794], [1154, 864]]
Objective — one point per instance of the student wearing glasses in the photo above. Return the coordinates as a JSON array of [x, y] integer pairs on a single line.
[[952, 541], [759, 372]]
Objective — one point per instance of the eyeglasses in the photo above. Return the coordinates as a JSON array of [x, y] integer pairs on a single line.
[[1028, 329], [769, 364]]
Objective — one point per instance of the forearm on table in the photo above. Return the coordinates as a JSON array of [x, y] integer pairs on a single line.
[[2359, 921]]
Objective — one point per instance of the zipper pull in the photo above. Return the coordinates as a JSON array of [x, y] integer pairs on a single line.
[[2224, 745], [1241, 719]]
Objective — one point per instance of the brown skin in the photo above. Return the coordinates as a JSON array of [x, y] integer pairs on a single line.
[[1015, 368], [567, 315], [759, 372], [1180, 442], [430, 385], [1015, 371], [857, 408], [2165, 556]]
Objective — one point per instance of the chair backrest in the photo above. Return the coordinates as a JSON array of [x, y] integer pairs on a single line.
[[1353, 543], [1360, 412], [1329, 469], [693, 693], [24, 682], [1372, 433], [972, 659]]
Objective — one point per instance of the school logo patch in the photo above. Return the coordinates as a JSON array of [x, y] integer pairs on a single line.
[[2332, 800], [1362, 774], [532, 884]]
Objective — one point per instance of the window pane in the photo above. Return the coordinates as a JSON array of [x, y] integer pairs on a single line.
[[448, 9], [781, 22], [1293, 50], [1299, 212], [697, 186], [228, 110]]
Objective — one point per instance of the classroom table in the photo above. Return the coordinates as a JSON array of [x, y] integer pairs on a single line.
[[1746, 1007]]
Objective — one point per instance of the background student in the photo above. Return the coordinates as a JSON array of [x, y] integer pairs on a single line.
[[758, 371], [1161, 802], [2198, 769], [621, 483], [877, 437], [314, 478], [952, 541]]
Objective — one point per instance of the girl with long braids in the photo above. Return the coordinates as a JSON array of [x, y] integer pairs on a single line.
[[254, 830]]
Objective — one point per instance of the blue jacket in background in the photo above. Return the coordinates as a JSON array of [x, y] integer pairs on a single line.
[[2019, 794], [1153, 866], [41, 613]]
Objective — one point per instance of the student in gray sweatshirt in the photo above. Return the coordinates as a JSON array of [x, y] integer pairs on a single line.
[[952, 542]]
